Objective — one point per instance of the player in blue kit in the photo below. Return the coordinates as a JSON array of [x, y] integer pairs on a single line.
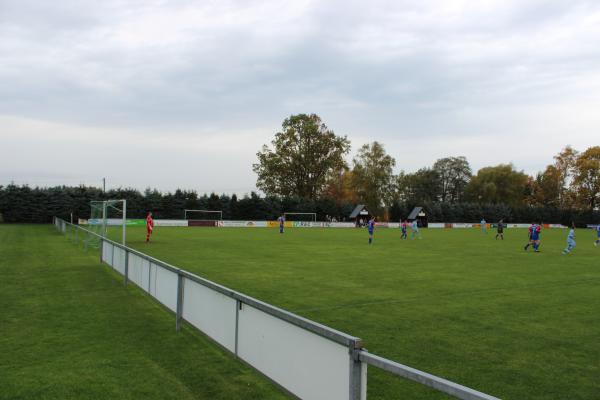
[[598, 233], [281, 223], [534, 237], [570, 240], [404, 228], [371, 228]]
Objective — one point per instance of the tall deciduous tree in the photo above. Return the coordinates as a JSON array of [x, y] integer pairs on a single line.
[[372, 177], [587, 178], [546, 188], [454, 174], [564, 162], [304, 157], [501, 184], [419, 187]]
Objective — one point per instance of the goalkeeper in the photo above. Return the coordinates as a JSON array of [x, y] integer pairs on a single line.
[[149, 226]]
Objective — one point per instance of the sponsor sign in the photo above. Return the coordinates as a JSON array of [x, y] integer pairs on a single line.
[[461, 225], [436, 225], [170, 222], [117, 221], [203, 223]]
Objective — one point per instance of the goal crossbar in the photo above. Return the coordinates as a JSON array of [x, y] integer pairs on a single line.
[[185, 213], [314, 215]]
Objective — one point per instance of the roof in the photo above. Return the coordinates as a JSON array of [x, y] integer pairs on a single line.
[[415, 212], [357, 210]]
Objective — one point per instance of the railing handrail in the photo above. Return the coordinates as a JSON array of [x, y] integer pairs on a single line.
[[440, 384]]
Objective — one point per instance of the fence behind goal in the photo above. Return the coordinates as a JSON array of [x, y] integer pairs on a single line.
[[305, 358]]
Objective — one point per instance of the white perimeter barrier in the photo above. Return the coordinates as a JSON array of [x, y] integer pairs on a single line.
[[307, 359]]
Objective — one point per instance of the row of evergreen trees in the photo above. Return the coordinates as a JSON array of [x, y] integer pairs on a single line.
[[39, 205]]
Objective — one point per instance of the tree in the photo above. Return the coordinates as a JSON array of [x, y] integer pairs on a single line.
[[546, 188], [304, 157], [587, 178], [454, 174], [372, 177], [564, 162], [340, 188], [419, 187], [501, 184]]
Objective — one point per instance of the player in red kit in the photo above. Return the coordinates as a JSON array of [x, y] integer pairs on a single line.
[[149, 226]]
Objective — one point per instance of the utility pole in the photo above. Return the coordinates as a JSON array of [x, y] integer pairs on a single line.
[[103, 185]]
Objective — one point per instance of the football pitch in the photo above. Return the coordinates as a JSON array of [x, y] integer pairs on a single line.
[[457, 303]]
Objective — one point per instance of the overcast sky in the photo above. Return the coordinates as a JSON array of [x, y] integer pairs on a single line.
[[171, 94]]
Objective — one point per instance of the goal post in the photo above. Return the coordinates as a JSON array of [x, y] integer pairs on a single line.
[[203, 215], [105, 213], [300, 216]]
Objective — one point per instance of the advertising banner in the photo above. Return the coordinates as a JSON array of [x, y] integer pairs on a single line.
[[116, 222], [202, 223], [243, 224], [436, 225], [171, 222]]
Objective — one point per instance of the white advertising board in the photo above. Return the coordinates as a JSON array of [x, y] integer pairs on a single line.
[[211, 312], [308, 365]]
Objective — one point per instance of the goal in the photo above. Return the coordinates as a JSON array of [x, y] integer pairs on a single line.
[[300, 216], [203, 217], [105, 214]]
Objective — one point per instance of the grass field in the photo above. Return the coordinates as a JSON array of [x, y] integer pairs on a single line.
[[70, 330], [458, 304]]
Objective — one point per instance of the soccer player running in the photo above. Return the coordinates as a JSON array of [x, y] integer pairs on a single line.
[[500, 230], [598, 233], [403, 227], [149, 226], [415, 230], [534, 237], [281, 220], [371, 228], [570, 240]]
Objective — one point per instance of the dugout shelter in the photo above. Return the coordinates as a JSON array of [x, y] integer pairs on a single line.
[[418, 214], [360, 215]]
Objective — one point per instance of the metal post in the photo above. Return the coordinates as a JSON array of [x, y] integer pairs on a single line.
[[101, 249], [356, 375], [179, 314], [124, 219], [238, 307], [126, 277]]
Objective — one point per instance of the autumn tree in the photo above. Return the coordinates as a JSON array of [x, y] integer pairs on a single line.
[[586, 180], [304, 157], [372, 177]]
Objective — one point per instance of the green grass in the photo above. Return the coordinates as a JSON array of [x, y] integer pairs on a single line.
[[457, 303], [70, 330]]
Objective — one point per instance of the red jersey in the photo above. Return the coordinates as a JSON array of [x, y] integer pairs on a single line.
[[149, 223]]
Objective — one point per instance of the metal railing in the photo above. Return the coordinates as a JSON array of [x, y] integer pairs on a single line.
[[334, 368]]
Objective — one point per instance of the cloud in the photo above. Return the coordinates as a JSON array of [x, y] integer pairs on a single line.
[[430, 78]]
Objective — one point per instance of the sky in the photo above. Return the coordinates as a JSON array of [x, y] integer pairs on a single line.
[[183, 94]]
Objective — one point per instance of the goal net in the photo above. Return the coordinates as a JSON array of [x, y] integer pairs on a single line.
[[108, 218], [203, 217], [300, 216]]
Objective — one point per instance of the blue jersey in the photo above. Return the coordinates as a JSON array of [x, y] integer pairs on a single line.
[[415, 226], [534, 231], [371, 226], [571, 236], [598, 230]]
